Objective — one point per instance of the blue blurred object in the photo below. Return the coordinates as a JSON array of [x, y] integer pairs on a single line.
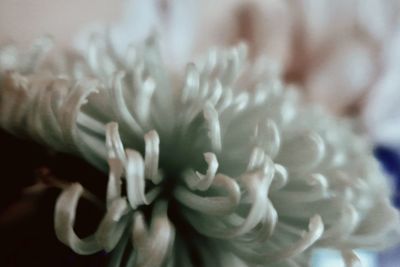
[[390, 160]]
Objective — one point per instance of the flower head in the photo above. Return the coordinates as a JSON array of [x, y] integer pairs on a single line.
[[220, 166]]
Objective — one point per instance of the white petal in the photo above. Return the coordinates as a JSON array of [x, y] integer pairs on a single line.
[[135, 181], [213, 205], [64, 219], [113, 224], [152, 152], [211, 116], [113, 141]]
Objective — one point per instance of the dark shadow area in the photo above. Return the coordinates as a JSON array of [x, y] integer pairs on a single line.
[[26, 219]]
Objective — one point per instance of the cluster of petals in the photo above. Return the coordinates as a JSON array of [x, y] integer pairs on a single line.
[[222, 165]]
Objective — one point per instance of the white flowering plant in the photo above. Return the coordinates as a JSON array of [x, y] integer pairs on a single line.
[[223, 165]]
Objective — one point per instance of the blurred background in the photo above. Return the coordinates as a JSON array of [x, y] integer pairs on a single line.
[[343, 55]]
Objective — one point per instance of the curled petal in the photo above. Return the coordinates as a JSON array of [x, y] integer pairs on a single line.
[[344, 227], [316, 229], [281, 177], [114, 180], [113, 142], [69, 111], [211, 116], [225, 101], [257, 195], [237, 225], [268, 224], [91, 124], [257, 159], [152, 152], [118, 253], [319, 182], [120, 107], [44, 118], [64, 220], [240, 102], [383, 228], [143, 99], [210, 62], [152, 247], [213, 205], [139, 230], [268, 137], [216, 92], [317, 190], [113, 224], [135, 183], [266, 227], [192, 83], [232, 63], [303, 152], [200, 181]]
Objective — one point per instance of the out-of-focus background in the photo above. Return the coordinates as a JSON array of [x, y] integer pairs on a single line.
[[343, 55], [22, 21]]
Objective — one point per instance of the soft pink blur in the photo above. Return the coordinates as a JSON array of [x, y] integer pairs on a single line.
[[22, 21], [343, 53]]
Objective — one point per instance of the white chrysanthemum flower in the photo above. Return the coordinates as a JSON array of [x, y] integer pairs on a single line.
[[201, 171]]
